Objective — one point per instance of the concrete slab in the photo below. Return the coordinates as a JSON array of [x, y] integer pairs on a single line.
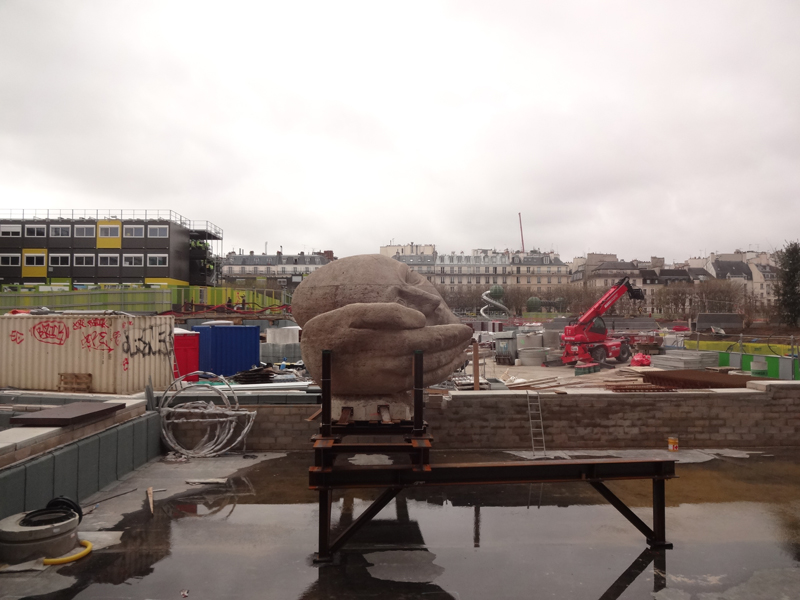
[[22, 437]]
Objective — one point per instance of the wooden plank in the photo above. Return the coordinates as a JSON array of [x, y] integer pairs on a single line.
[[69, 414]]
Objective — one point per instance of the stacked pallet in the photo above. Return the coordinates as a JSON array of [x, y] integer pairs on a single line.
[[685, 359], [467, 383]]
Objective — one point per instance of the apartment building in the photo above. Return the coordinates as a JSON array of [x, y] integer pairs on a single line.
[[272, 271], [76, 248]]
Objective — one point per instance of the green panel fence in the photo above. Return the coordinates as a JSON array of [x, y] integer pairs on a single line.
[[141, 300]]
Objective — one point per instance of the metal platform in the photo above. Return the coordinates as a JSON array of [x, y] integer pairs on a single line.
[[325, 476]]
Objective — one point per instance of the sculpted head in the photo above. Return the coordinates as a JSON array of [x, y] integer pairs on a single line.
[[368, 278], [373, 312]]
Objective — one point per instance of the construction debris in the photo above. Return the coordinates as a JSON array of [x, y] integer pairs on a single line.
[[685, 359]]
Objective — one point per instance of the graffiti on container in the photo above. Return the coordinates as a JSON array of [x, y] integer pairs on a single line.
[[97, 340], [50, 332], [150, 341], [17, 337], [83, 323], [125, 364]]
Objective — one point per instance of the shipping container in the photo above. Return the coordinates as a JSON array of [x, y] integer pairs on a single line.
[[228, 349], [120, 352], [187, 354]]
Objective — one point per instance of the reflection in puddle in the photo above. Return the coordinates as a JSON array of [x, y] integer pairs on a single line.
[[254, 538]]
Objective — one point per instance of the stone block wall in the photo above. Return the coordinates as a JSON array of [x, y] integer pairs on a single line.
[[766, 414]]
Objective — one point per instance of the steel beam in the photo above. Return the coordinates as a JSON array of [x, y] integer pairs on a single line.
[[347, 476], [386, 496]]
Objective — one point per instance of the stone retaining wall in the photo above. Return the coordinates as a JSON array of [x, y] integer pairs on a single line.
[[766, 414]]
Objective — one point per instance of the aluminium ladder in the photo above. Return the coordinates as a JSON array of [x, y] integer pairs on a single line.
[[536, 424]]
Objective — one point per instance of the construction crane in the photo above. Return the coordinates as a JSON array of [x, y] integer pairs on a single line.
[[586, 339]]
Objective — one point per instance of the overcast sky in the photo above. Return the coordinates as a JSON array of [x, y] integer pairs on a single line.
[[642, 128]]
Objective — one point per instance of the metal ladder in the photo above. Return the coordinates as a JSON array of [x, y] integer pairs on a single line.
[[537, 435], [535, 422]]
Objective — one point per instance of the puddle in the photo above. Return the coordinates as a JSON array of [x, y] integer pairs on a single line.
[[736, 530]]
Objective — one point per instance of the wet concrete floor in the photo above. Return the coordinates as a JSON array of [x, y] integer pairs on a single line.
[[735, 524]]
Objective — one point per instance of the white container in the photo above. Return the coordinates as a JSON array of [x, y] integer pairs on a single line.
[[529, 340], [532, 357], [121, 352]]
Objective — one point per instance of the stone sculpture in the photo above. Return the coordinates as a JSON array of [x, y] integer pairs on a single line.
[[372, 312]]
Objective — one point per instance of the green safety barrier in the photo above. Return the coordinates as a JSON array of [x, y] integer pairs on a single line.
[[773, 363], [747, 347]]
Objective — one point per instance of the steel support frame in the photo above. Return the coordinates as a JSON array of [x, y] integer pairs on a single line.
[[325, 476]]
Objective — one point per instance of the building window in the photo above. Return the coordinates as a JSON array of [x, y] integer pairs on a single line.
[[538, 280], [59, 260], [160, 260], [35, 231], [84, 231], [469, 279], [549, 280], [132, 260], [9, 260], [84, 260], [559, 280], [59, 230], [246, 269], [528, 270], [548, 269], [538, 269], [529, 280], [158, 231], [558, 269], [34, 260], [10, 230], [451, 270], [109, 231], [133, 231], [108, 260], [517, 279], [539, 289], [494, 279], [441, 280]]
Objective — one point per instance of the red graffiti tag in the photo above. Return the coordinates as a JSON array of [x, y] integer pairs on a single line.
[[51, 332], [117, 337], [83, 323], [125, 364], [95, 340], [17, 337]]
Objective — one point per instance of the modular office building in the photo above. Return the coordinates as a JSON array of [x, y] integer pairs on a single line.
[[76, 247]]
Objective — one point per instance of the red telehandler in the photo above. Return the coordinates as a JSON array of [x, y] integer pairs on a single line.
[[586, 339]]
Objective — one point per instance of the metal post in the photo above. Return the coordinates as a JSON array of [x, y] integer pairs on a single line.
[[325, 423], [418, 408], [324, 553], [659, 514], [476, 527], [660, 570], [476, 359], [741, 343]]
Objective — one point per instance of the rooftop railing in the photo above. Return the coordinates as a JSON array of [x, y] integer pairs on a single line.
[[34, 214]]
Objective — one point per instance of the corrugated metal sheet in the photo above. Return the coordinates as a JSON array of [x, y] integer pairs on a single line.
[[120, 352], [229, 349]]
